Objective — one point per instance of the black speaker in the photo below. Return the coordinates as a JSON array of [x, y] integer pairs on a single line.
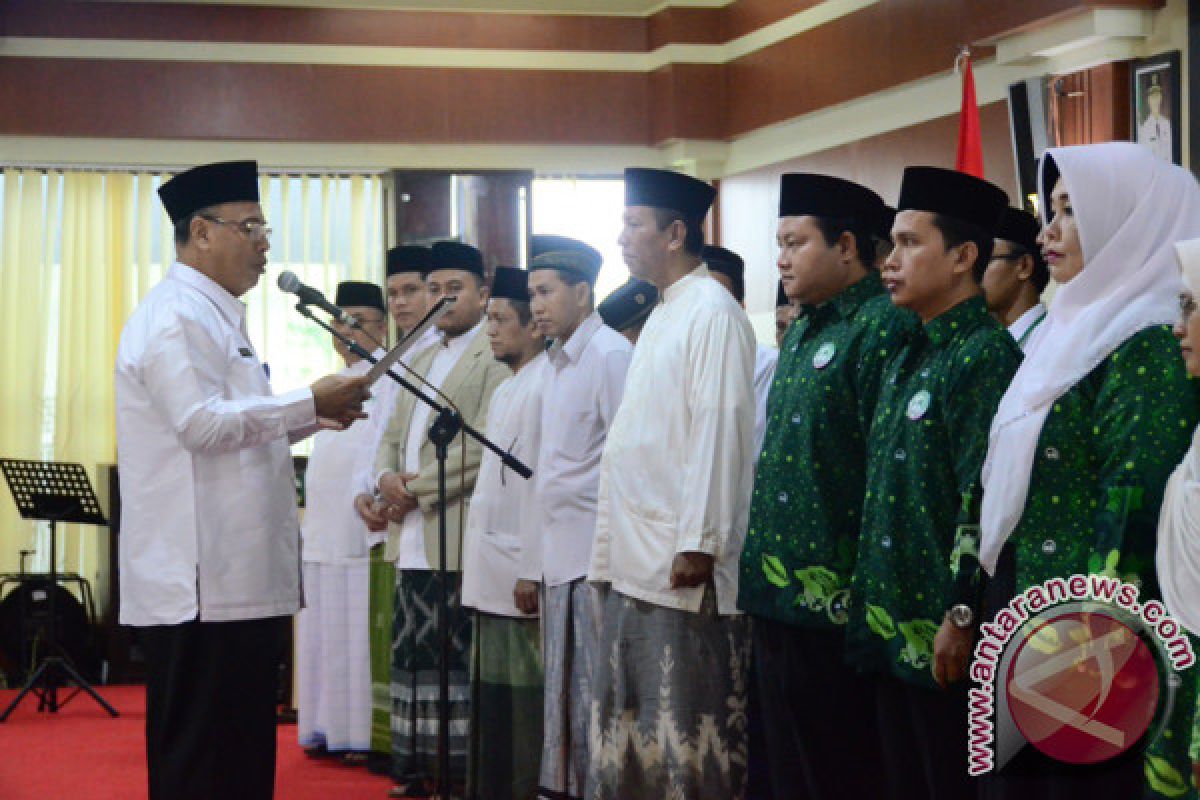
[[1027, 123]]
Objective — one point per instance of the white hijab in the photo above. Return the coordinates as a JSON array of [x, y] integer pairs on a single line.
[[1179, 522], [1130, 208]]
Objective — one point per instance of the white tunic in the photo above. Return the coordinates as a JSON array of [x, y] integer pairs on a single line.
[[765, 361], [412, 537], [585, 378], [208, 501], [341, 461], [502, 514], [678, 466]]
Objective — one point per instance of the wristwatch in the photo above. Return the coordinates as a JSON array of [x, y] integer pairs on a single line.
[[961, 616]]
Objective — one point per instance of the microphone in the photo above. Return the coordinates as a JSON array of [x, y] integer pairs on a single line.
[[309, 296]]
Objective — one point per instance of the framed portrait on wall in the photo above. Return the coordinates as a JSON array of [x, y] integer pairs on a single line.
[[1157, 105]]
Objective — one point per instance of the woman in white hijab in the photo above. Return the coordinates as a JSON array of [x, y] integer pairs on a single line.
[[1179, 522], [1095, 419]]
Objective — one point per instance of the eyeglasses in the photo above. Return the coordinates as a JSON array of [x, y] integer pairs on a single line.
[[250, 228], [1187, 307], [372, 320], [1016, 255]]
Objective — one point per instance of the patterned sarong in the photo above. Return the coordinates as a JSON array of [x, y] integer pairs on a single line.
[[669, 704]]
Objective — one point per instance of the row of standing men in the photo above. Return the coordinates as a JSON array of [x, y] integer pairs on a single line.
[[906, 487], [882, 522]]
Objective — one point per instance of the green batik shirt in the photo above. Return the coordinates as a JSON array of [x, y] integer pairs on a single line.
[[924, 455], [805, 511], [1103, 458], [1106, 450]]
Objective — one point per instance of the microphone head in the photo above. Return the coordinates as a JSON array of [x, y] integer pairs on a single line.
[[288, 281]]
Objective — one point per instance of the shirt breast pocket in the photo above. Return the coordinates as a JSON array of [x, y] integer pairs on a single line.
[[246, 373]]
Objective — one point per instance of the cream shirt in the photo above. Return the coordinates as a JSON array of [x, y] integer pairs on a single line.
[[412, 535]]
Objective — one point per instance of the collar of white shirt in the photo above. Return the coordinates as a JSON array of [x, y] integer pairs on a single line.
[[231, 308], [678, 287], [1024, 322], [573, 348]]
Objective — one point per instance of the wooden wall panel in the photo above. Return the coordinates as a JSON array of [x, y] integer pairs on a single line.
[[185, 100], [914, 38], [1092, 105], [908, 40], [685, 26], [318, 26], [690, 101], [747, 16]]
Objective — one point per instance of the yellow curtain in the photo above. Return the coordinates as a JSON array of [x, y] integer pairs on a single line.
[[78, 251], [27, 259]]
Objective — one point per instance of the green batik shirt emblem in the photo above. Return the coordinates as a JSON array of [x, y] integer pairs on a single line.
[[1103, 458], [924, 454], [807, 502]]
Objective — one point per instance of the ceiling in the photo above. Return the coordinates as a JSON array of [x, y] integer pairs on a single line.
[[591, 7]]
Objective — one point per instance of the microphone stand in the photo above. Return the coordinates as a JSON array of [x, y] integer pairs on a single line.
[[447, 424]]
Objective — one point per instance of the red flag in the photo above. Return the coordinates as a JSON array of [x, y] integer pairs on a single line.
[[970, 143]]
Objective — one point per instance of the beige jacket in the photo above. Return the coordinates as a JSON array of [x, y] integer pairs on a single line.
[[469, 386]]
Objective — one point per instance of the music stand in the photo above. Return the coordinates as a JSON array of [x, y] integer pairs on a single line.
[[54, 492]]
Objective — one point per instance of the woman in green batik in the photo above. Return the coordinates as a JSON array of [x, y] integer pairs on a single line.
[[1095, 419], [1179, 522]]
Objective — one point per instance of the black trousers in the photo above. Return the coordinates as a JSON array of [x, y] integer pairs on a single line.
[[923, 733], [818, 715], [210, 708]]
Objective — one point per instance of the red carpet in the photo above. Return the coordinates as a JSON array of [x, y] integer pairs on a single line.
[[81, 753]]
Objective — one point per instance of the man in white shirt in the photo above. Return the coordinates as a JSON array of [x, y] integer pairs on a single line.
[[506, 659], [407, 303], [585, 377], [729, 270], [675, 486], [1016, 277], [462, 368], [209, 532], [333, 671]]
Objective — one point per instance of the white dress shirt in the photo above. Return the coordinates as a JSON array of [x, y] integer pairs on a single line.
[[208, 503], [765, 361], [503, 507], [341, 461], [678, 467], [412, 533], [1025, 324], [585, 378]]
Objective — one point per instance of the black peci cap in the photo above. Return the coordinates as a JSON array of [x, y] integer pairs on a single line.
[[209, 185]]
